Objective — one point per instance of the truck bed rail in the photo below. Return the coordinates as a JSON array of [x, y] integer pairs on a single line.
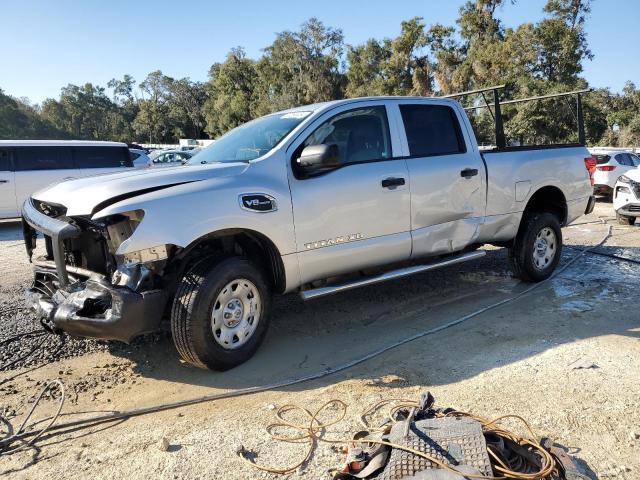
[[501, 141]]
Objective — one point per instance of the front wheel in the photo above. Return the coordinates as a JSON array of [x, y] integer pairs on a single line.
[[625, 219], [220, 313], [537, 248]]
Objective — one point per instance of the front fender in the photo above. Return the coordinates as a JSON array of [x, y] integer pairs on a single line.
[[182, 214]]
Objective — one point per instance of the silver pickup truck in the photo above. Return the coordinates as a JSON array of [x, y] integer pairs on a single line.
[[315, 200]]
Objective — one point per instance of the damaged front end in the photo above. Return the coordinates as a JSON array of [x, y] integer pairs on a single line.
[[82, 286]]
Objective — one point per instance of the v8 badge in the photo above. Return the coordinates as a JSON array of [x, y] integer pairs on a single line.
[[258, 202]]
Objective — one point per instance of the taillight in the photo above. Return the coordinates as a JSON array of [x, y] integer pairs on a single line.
[[590, 164], [606, 168]]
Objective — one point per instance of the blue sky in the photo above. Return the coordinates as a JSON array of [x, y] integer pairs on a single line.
[[47, 44]]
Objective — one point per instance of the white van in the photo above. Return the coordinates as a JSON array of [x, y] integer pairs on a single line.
[[27, 166]]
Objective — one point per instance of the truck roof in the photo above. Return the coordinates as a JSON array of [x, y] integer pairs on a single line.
[[59, 143], [314, 107]]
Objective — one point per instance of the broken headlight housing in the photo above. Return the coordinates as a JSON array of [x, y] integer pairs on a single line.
[[136, 267], [133, 268]]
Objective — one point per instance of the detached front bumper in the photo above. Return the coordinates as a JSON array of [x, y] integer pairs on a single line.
[[78, 301], [93, 308]]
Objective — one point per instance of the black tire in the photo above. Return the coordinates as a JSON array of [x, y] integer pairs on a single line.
[[521, 254], [625, 219], [196, 297]]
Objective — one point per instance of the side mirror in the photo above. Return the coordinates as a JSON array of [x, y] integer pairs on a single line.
[[319, 157]]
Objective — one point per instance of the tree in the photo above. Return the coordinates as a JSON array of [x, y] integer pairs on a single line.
[[152, 119], [366, 75], [448, 57], [20, 120], [561, 41], [82, 111], [185, 108], [231, 93], [122, 117], [301, 67], [122, 89], [400, 66]]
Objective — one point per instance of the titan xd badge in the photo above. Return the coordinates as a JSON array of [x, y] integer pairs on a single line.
[[352, 237], [258, 202]]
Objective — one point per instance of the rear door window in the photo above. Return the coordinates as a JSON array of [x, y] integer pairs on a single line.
[[102, 157], [43, 158], [432, 130]]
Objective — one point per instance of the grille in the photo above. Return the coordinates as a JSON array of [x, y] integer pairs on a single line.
[[633, 208]]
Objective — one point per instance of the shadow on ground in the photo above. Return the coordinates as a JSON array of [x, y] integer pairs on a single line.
[[10, 230], [589, 299]]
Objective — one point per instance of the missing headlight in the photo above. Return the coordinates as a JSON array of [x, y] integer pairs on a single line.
[[120, 227], [135, 268]]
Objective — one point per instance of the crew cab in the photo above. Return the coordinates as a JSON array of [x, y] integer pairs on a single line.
[[301, 200]]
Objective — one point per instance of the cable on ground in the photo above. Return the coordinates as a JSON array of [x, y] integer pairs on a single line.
[[18, 436], [518, 468]]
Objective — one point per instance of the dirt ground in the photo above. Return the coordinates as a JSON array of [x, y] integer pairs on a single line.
[[522, 358]]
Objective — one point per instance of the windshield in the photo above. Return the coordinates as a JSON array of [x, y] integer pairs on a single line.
[[251, 140]]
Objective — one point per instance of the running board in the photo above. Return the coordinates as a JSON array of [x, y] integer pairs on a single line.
[[401, 272]]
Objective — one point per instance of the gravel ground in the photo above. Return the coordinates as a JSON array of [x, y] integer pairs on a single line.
[[35, 349], [521, 358]]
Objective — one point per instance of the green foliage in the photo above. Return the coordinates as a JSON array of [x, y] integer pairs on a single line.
[[230, 92], [18, 119], [300, 67], [399, 66], [312, 64], [185, 108]]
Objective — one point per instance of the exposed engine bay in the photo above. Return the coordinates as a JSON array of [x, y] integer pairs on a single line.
[[83, 286]]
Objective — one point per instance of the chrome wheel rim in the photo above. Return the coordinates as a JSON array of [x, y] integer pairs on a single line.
[[545, 247], [235, 314]]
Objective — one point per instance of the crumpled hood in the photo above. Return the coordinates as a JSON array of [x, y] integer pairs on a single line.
[[87, 195]]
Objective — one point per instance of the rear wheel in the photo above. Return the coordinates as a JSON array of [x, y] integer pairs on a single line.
[[220, 313], [625, 219], [537, 248]]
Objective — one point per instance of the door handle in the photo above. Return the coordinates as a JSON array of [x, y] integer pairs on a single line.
[[392, 182], [469, 172], [4, 181]]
